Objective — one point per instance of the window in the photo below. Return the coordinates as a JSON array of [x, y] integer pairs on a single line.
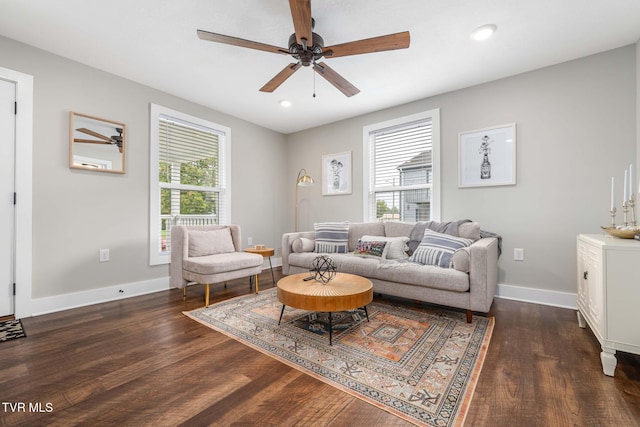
[[402, 169], [189, 176]]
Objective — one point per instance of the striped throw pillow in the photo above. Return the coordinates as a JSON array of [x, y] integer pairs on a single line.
[[438, 249], [332, 237]]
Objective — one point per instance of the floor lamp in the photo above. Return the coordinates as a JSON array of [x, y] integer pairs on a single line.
[[303, 180]]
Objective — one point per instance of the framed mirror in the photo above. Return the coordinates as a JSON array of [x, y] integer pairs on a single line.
[[96, 144]]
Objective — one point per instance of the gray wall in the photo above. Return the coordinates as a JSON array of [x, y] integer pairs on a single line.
[[576, 127], [75, 213]]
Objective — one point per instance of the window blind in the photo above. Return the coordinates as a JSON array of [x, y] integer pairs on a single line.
[[401, 169]]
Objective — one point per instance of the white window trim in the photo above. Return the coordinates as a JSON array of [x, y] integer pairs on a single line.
[[155, 257], [434, 115]]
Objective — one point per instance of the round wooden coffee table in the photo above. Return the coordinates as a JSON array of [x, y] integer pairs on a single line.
[[344, 292]]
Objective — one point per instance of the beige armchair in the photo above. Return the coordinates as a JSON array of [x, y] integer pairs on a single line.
[[210, 254]]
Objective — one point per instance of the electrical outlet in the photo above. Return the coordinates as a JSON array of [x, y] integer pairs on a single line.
[[518, 254], [104, 255], [250, 241]]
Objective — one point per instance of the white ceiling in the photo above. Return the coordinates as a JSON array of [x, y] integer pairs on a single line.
[[154, 42]]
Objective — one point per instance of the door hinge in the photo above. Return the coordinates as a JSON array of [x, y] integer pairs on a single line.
[[15, 198], [15, 108], [14, 289]]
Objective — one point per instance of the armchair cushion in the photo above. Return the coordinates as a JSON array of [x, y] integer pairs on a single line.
[[210, 242], [221, 263]]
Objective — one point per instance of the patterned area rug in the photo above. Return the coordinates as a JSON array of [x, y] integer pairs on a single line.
[[419, 364], [11, 329]]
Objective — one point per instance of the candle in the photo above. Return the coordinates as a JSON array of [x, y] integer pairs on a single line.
[[613, 201], [630, 181], [624, 191]]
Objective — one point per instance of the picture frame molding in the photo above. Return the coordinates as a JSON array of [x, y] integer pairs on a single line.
[[502, 172], [330, 187]]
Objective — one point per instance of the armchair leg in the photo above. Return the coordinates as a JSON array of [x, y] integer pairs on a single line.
[[257, 283], [184, 293], [206, 295]]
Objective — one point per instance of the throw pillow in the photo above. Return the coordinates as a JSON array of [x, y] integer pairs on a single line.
[[302, 244], [210, 242], [438, 249], [374, 249], [396, 246], [332, 237], [461, 260]]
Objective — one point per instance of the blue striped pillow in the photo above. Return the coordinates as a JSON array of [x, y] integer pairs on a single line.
[[438, 249], [332, 237]]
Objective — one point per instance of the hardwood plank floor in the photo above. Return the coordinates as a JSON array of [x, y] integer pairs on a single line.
[[140, 361]]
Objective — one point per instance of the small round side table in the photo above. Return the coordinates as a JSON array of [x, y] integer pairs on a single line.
[[267, 253]]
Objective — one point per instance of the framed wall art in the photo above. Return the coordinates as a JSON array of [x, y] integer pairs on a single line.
[[336, 174], [487, 157]]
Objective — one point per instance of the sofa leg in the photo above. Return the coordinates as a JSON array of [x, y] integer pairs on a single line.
[[206, 295], [225, 284], [184, 293], [469, 316]]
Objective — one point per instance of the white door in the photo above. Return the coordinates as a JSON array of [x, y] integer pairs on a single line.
[[7, 188]]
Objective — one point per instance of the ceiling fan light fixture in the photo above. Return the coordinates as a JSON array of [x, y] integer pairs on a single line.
[[483, 32]]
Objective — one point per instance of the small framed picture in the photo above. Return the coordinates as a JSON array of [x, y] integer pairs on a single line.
[[487, 157], [336, 174]]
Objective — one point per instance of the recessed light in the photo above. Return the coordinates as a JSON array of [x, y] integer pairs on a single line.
[[285, 103], [483, 32]]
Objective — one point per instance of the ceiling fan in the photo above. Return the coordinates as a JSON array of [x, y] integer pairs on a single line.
[[308, 48], [114, 140]]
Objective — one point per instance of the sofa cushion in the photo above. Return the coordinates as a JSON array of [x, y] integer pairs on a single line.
[[427, 276], [469, 230], [371, 248], [359, 229], [396, 246], [302, 244], [398, 228], [210, 242], [461, 259], [438, 248], [332, 237]]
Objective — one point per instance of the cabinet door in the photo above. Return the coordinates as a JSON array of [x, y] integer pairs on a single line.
[[623, 295], [590, 288]]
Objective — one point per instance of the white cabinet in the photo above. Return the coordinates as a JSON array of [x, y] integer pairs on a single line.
[[609, 294]]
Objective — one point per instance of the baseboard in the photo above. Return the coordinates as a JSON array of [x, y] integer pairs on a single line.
[[537, 296], [95, 296]]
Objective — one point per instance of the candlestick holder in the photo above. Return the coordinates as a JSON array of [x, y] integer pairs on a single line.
[[625, 210], [613, 217], [632, 204]]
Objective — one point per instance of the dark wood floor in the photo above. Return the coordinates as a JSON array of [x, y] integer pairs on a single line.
[[140, 361]]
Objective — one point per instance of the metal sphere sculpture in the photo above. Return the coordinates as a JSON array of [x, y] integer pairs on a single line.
[[324, 269]]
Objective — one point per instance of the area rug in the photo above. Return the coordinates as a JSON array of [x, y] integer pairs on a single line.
[[11, 329], [419, 364]]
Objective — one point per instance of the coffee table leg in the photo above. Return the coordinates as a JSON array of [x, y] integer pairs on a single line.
[[281, 313], [330, 329]]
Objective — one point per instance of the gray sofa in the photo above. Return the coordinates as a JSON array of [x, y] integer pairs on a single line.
[[470, 283]]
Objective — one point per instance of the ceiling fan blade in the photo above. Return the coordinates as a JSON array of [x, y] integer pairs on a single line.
[[91, 141], [235, 41], [374, 44], [93, 133], [335, 79], [301, 14], [280, 77]]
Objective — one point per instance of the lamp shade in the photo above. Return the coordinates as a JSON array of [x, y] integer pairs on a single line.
[[304, 180]]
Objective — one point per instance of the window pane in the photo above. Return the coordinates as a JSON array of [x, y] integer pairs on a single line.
[[194, 207], [188, 154], [407, 205]]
